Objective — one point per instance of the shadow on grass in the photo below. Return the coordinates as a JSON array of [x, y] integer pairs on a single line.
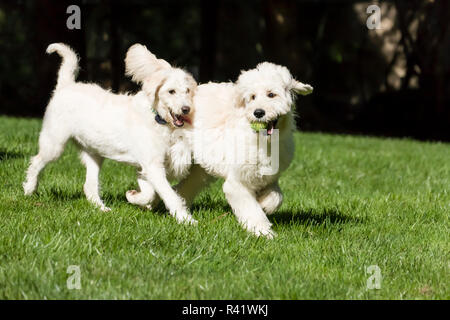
[[6, 155], [75, 195], [312, 217], [64, 195], [211, 204], [309, 216]]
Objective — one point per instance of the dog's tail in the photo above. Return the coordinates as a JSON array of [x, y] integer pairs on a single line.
[[69, 66]]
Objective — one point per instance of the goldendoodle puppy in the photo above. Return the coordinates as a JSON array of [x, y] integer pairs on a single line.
[[135, 129], [233, 128]]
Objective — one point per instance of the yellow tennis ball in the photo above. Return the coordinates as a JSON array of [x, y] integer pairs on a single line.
[[258, 125]]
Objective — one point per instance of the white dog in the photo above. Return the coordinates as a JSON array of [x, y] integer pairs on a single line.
[[135, 129], [265, 95]]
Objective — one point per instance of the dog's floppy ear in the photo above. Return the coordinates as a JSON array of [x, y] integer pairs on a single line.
[[301, 88], [141, 64], [153, 83], [239, 100]]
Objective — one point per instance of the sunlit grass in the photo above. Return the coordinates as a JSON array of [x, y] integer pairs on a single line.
[[350, 202]]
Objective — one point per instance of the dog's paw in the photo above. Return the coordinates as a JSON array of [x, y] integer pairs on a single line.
[[191, 221], [134, 197], [260, 229], [263, 232], [130, 195], [186, 219], [270, 202], [269, 234], [28, 188], [105, 209]]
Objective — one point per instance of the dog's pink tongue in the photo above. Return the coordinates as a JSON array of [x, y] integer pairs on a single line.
[[179, 122], [186, 119]]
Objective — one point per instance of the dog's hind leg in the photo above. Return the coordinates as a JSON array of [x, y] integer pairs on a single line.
[[270, 198], [246, 209], [91, 186], [50, 148], [144, 196], [188, 188]]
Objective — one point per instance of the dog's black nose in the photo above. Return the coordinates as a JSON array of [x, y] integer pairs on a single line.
[[259, 113], [185, 109]]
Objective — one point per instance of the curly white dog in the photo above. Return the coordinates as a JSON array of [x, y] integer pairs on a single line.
[[135, 129], [263, 95]]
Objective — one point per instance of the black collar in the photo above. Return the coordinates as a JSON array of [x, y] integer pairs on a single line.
[[158, 118]]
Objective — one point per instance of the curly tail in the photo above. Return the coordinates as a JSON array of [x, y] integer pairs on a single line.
[[69, 66]]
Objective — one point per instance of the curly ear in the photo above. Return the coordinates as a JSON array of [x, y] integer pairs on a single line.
[[301, 88], [152, 84], [239, 100], [141, 63]]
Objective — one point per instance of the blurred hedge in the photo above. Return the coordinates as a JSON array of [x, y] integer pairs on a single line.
[[392, 81]]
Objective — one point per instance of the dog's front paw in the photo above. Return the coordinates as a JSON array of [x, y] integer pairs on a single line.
[[269, 234], [264, 232], [187, 220], [260, 229], [28, 188], [105, 209]]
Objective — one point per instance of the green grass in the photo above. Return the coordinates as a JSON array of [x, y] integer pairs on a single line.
[[350, 202]]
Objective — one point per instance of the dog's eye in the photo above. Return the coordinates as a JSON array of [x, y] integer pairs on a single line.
[[271, 95], [187, 91], [253, 97], [172, 91]]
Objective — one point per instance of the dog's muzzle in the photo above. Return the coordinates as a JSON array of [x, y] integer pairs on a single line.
[[179, 120]]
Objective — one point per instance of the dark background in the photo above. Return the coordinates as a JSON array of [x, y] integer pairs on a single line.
[[390, 82]]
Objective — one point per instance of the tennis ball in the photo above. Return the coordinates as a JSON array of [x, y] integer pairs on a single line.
[[258, 125]]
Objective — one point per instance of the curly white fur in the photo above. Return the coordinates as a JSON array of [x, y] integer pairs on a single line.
[[121, 127], [221, 107]]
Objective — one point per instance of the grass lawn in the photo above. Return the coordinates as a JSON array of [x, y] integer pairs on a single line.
[[350, 202]]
